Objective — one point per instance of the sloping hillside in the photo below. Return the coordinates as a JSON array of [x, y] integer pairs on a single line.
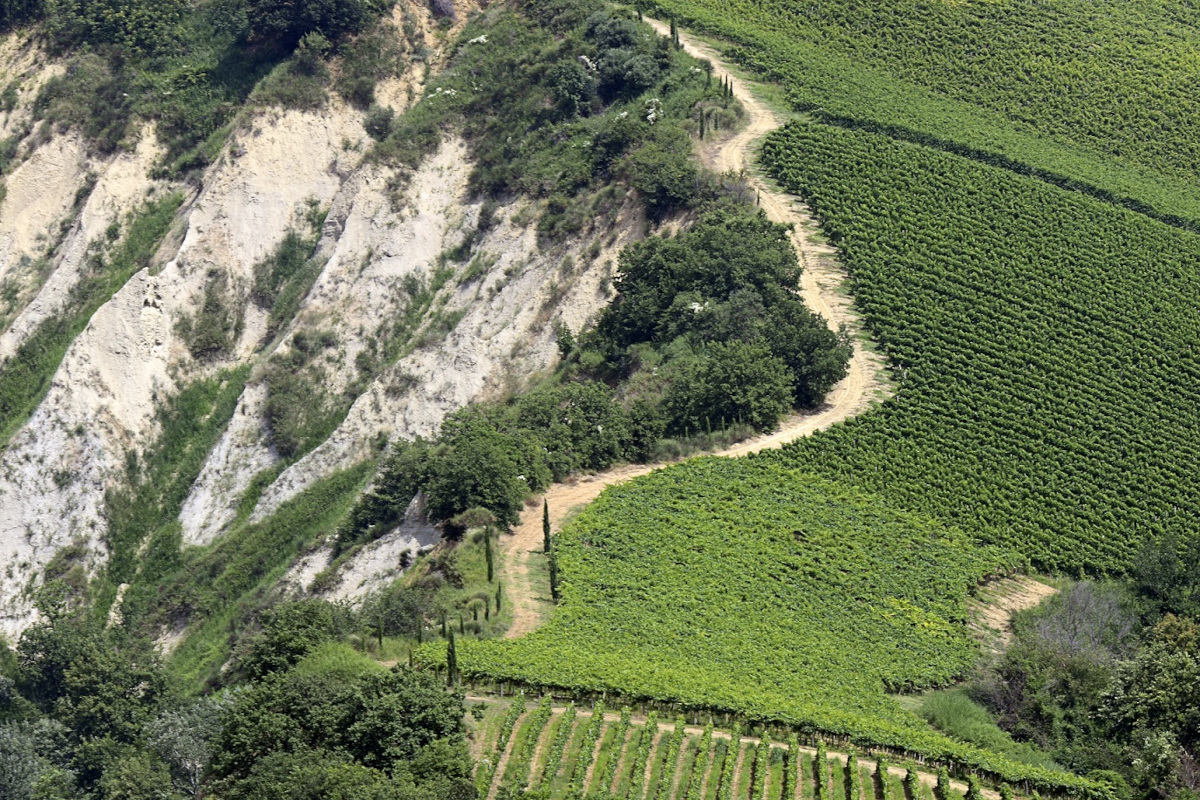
[[380, 333]]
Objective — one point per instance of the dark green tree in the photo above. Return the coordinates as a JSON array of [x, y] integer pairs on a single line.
[[734, 381], [477, 464], [487, 551], [451, 661], [1166, 574], [287, 21], [662, 170], [545, 526], [290, 631]]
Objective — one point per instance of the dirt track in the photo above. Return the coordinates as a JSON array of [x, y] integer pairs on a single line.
[[822, 276]]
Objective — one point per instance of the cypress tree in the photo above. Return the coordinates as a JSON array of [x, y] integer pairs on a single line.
[[451, 662], [443, 624], [703, 119], [462, 625], [553, 578], [498, 585], [487, 538], [545, 526], [379, 630]]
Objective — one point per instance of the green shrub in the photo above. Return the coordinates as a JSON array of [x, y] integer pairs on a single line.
[[288, 21], [90, 96], [365, 61], [378, 123], [137, 27], [734, 381], [300, 413], [478, 465], [282, 279], [215, 328], [290, 631]]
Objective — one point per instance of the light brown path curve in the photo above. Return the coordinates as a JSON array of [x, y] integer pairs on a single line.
[[821, 279], [995, 604]]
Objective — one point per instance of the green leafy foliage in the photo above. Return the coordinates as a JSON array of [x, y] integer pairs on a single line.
[[813, 599], [222, 587], [554, 756], [987, 79], [556, 103], [1039, 336], [90, 691], [300, 413], [290, 632], [288, 21], [136, 28], [143, 534], [379, 719], [730, 381], [719, 300], [213, 331]]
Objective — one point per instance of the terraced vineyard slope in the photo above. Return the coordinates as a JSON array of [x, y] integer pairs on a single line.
[[688, 762]]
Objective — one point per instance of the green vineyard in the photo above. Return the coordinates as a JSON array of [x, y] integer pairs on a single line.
[[769, 594], [569, 753], [1045, 343], [1117, 115]]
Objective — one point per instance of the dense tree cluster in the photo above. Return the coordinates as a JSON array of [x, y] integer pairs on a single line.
[[732, 279], [1105, 677], [706, 332], [88, 711]]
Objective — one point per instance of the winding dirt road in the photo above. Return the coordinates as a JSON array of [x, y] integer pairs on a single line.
[[821, 278]]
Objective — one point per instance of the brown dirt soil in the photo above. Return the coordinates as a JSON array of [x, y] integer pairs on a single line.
[[821, 278], [660, 741], [993, 608]]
